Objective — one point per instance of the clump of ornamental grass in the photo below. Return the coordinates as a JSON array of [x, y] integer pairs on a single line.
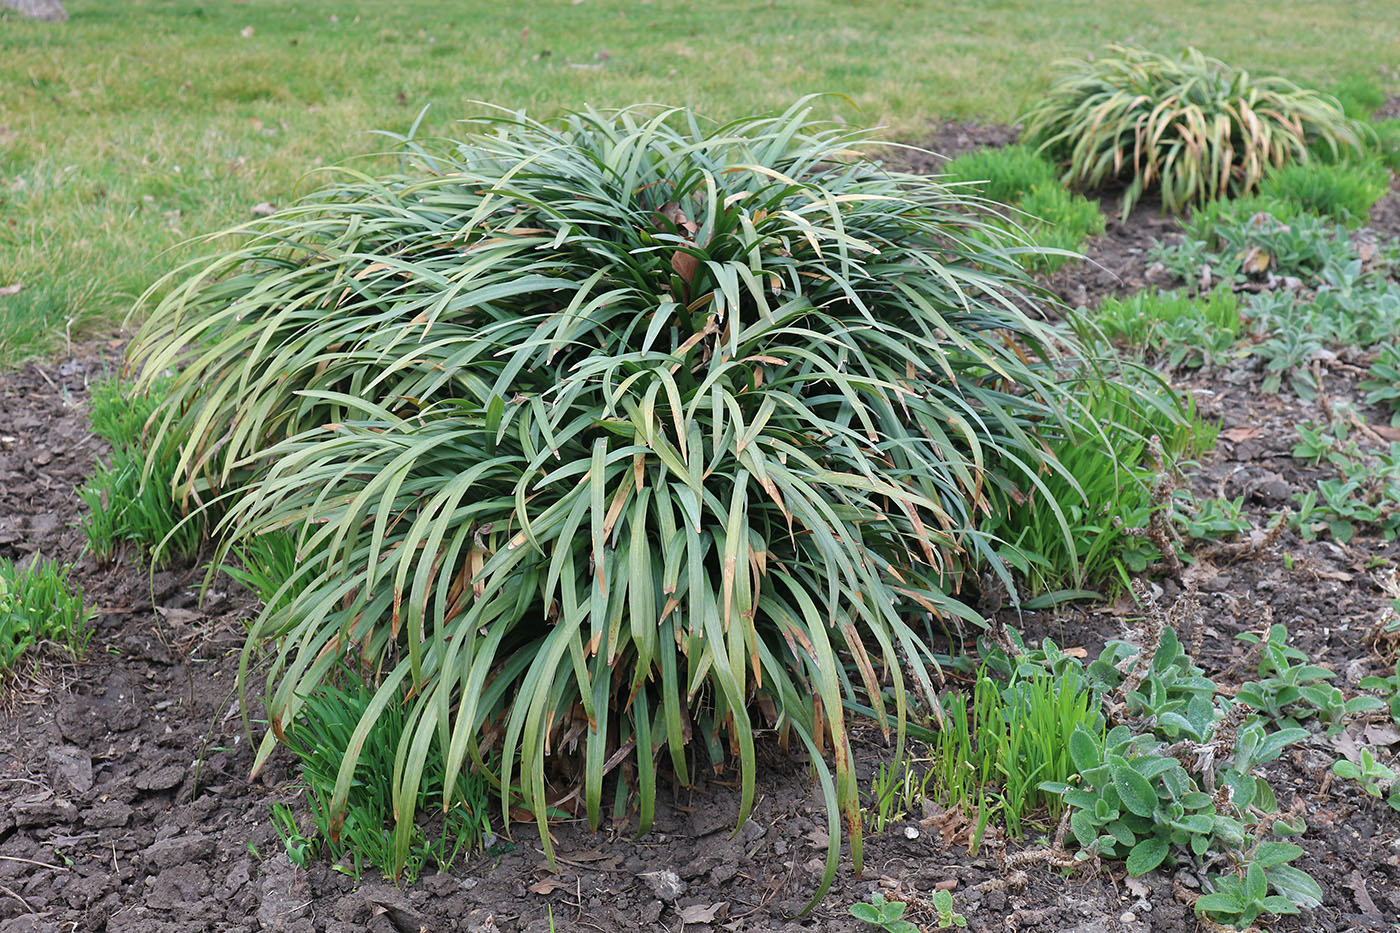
[[611, 442], [1190, 127]]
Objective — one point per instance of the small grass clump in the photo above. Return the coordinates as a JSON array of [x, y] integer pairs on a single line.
[[1343, 191], [1006, 174], [40, 605], [1191, 127], [1103, 491], [1387, 143], [267, 566], [999, 744], [1058, 221], [131, 500], [1184, 330], [365, 833], [1047, 214]]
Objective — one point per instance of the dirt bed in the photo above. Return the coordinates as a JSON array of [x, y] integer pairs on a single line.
[[128, 805]]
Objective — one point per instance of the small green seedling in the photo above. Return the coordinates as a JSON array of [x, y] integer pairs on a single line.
[[1239, 900], [947, 916], [1375, 778], [1389, 686], [887, 915], [894, 794], [40, 605], [1211, 519], [300, 849]]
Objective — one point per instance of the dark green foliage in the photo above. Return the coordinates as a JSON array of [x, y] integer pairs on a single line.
[[597, 432], [131, 500], [40, 605]]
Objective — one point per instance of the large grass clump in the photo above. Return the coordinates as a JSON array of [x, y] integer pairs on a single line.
[[1191, 127], [625, 436]]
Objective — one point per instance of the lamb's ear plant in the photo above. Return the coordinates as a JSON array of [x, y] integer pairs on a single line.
[[1175, 779], [1375, 778], [1191, 127], [883, 914], [1383, 386], [1387, 685], [948, 916], [609, 435]]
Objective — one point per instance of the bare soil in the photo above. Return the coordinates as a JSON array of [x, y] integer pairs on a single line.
[[128, 805]]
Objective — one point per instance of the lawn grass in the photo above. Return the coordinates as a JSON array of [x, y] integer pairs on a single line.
[[137, 125]]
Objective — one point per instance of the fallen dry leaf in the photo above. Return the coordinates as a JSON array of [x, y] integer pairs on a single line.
[[1347, 747], [1077, 652], [1235, 435], [697, 913], [11, 289], [1256, 261], [1386, 432], [1378, 733], [177, 616], [546, 885]]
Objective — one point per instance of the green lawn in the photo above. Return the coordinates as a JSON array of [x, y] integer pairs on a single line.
[[137, 125]]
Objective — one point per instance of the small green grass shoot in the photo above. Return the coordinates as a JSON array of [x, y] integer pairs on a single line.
[[127, 505], [40, 605], [1343, 191], [369, 834], [1001, 743]]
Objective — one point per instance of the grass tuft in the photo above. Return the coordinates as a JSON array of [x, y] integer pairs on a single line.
[[1343, 191], [364, 832], [1191, 127], [1005, 175], [613, 433], [40, 605], [131, 500]]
